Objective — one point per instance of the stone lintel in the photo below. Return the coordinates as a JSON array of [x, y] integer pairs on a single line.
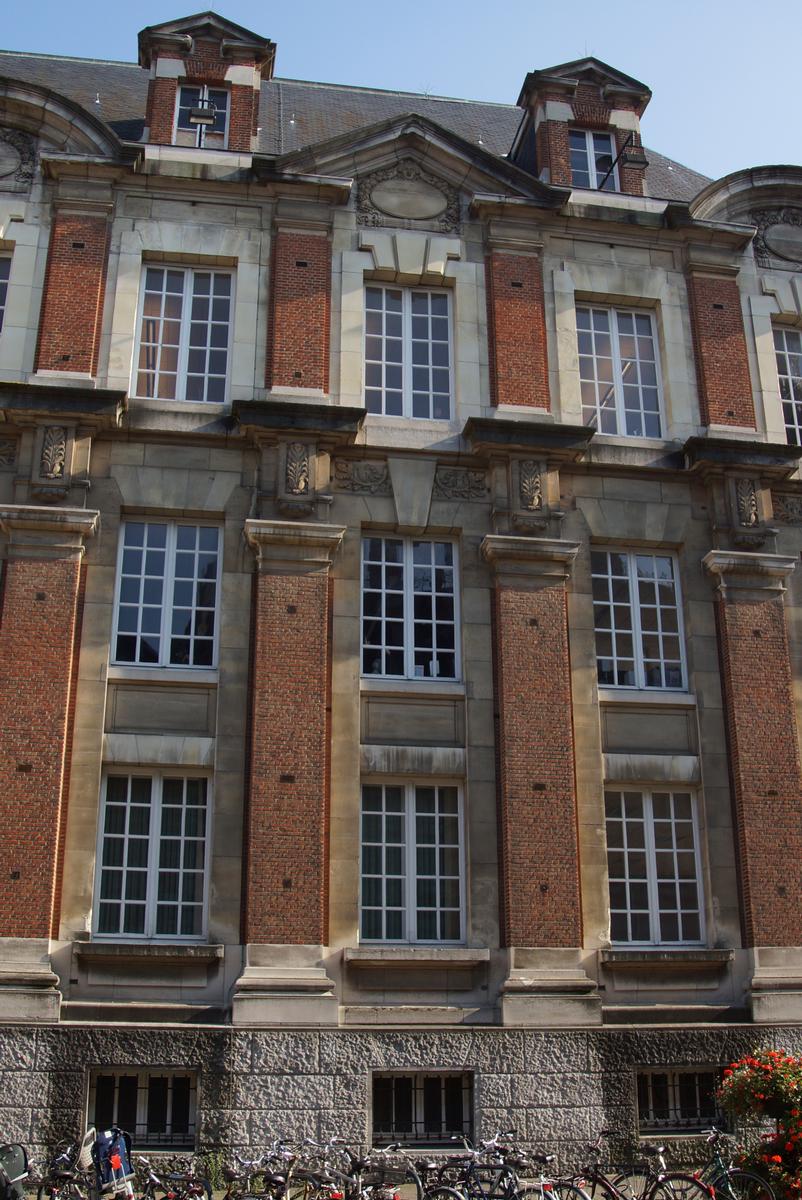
[[518, 561], [748, 572], [288, 548], [39, 531]]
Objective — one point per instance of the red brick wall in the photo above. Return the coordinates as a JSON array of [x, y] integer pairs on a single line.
[[243, 117], [519, 372], [286, 875], [764, 766], [631, 179], [38, 621], [722, 364], [298, 345], [540, 902], [75, 284], [553, 151], [160, 112]]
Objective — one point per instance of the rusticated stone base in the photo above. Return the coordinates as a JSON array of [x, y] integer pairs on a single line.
[[557, 1088]]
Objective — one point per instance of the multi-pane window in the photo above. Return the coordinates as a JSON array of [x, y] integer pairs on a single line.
[[637, 618], [591, 159], [409, 609], [421, 1108], [618, 371], [678, 1100], [411, 863], [5, 271], [153, 856], [167, 598], [183, 348], [653, 867], [156, 1107], [788, 348], [407, 352], [215, 103]]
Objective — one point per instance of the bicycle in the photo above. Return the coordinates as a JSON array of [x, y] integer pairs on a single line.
[[70, 1174], [653, 1182], [175, 1185], [493, 1172], [728, 1181]]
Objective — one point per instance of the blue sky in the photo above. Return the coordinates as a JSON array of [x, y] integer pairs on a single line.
[[724, 73]]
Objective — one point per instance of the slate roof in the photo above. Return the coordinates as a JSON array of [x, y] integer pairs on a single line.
[[295, 113]]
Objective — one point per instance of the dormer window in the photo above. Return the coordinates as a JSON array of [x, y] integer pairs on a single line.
[[202, 117], [592, 157]]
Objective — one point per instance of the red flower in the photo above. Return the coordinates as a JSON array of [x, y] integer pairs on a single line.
[[776, 1158]]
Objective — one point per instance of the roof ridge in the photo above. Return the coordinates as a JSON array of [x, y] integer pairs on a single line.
[[112, 62], [350, 87]]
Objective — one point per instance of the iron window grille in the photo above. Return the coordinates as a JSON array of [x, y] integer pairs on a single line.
[[408, 355], [168, 586], [153, 857], [5, 272], [422, 1108], [678, 1100], [412, 864], [592, 155], [410, 613], [187, 132], [157, 1107], [788, 350], [637, 618], [653, 868], [183, 346], [619, 371]]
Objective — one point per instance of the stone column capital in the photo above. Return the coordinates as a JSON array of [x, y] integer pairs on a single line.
[[40, 531], [528, 561], [748, 572], [290, 548]]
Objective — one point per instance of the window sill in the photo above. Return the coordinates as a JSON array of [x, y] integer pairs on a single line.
[[134, 951], [661, 959], [402, 687], [143, 404], [199, 675], [608, 695], [423, 957]]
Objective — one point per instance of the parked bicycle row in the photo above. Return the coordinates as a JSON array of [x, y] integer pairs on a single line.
[[101, 1165]]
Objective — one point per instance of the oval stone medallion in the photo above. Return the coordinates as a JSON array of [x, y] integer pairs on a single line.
[[410, 198], [785, 241]]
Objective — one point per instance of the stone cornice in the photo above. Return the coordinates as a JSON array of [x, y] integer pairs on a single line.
[[566, 443], [748, 572], [716, 454], [36, 531], [327, 421], [26, 403], [516, 559], [289, 548]]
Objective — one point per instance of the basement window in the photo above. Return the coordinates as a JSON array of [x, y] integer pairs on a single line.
[[420, 1108], [157, 1107], [678, 1101]]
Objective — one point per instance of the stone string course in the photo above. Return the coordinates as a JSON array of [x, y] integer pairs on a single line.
[[557, 1089]]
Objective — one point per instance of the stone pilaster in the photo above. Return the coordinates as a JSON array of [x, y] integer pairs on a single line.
[[765, 770], [540, 888], [287, 823], [40, 620]]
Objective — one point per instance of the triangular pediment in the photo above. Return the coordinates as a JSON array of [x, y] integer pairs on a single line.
[[437, 157], [204, 26], [567, 77]]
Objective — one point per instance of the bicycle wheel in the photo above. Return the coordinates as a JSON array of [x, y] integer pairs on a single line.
[[678, 1186], [743, 1185], [439, 1192], [560, 1189], [59, 1190]]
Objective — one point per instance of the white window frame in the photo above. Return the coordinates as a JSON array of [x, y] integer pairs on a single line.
[[141, 1137], [652, 881], [4, 286], [184, 346], [637, 630], [201, 131], [157, 777], [618, 406], [410, 878], [168, 590], [783, 353], [644, 1082], [407, 291], [613, 183], [467, 1082], [409, 609]]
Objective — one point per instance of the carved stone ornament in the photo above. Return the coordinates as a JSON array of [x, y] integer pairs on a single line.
[[530, 486], [787, 508], [297, 469], [406, 195], [455, 483], [53, 462], [8, 452], [372, 479], [17, 159], [746, 503], [779, 234]]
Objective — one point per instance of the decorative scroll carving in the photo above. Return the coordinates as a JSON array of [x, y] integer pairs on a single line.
[[371, 479], [455, 483], [788, 508], [8, 452], [409, 175], [52, 464], [17, 158], [769, 244], [297, 469], [530, 486], [746, 502]]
